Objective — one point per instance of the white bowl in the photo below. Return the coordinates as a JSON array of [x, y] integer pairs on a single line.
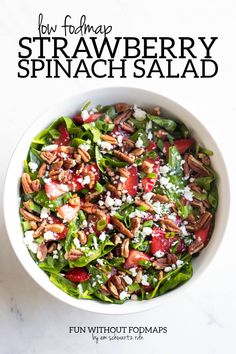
[[105, 96]]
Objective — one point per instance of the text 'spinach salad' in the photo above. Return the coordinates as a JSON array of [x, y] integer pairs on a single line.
[[116, 201]]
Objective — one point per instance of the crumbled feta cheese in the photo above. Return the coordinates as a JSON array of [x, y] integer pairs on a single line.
[[164, 170], [85, 147], [147, 231], [109, 201], [105, 145], [52, 147], [76, 242], [148, 125], [134, 297], [119, 140], [110, 227], [101, 202], [144, 279], [117, 202], [124, 295], [139, 114], [128, 280], [188, 194], [183, 230], [29, 241], [173, 266], [63, 155], [192, 180], [133, 271], [164, 181], [85, 114], [48, 235], [150, 136], [172, 217], [86, 180], [33, 166], [139, 143], [64, 187], [55, 256], [84, 224], [129, 199], [95, 243], [123, 179], [139, 213], [179, 263], [148, 196], [44, 213], [167, 269], [159, 254], [59, 246], [103, 236], [100, 261]]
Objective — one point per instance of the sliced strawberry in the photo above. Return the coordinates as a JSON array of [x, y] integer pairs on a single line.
[[163, 244], [119, 131], [151, 146], [149, 183], [75, 183], [54, 220], [134, 258], [67, 212], [64, 137], [203, 233], [54, 189], [92, 118], [182, 145], [77, 275], [91, 170], [131, 184]]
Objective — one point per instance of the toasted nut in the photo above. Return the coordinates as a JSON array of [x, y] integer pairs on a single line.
[[127, 127], [206, 204], [33, 225], [42, 252], [27, 205], [128, 144], [147, 205], [69, 163], [114, 190], [90, 208], [77, 158], [107, 120], [191, 218], [104, 290], [84, 155], [29, 216], [56, 228], [147, 167], [82, 237], [110, 172], [125, 248], [26, 183], [122, 107], [198, 204], [116, 239], [92, 180], [67, 149], [109, 255], [124, 157], [73, 254], [123, 172], [54, 173], [137, 152], [48, 156], [74, 201], [161, 198], [156, 111], [162, 134], [51, 247], [35, 185], [160, 263], [203, 221], [118, 282], [135, 224], [160, 275], [56, 165], [122, 117], [197, 166], [138, 277], [171, 258], [80, 169], [110, 139], [169, 225], [204, 158], [121, 227], [113, 290], [195, 247], [40, 229], [90, 197], [65, 176], [42, 170]]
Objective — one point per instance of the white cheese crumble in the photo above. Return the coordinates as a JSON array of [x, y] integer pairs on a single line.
[[150, 136], [84, 224], [124, 295], [147, 231], [86, 180], [117, 202], [44, 213], [164, 170], [64, 187], [179, 263], [183, 230], [119, 140], [188, 194], [29, 241], [48, 235], [167, 269], [139, 213], [100, 261], [110, 227], [33, 166], [148, 196], [139, 114], [85, 114], [85, 147], [134, 297], [144, 279], [109, 201], [76, 242], [164, 181], [52, 147], [103, 236], [159, 254], [139, 143], [128, 280], [148, 126], [133, 271], [105, 145], [123, 179]]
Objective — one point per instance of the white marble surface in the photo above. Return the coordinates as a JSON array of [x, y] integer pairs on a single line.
[[203, 320]]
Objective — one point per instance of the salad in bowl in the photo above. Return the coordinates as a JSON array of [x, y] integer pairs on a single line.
[[116, 201]]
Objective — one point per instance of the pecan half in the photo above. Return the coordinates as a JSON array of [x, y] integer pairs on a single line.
[[67, 149], [104, 290], [204, 158], [113, 290], [123, 172], [69, 163], [65, 176], [73, 254], [138, 277], [84, 155], [29, 216], [195, 247], [203, 221], [110, 139], [51, 247], [160, 198], [169, 225], [161, 134], [147, 205], [125, 248], [35, 185], [122, 117], [121, 227], [56, 165], [128, 144], [160, 275], [124, 157], [90, 197], [74, 201], [48, 156], [118, 282], [26, 183], [197, 166], [92, 180], [160, 263], [127, 127], [198, 204], [110, 171], [40, 229], [42, 252], [137, 152], [116, 239], [156, 111], [115, 190], [33, 225], [147, 167], [135, 224], [122, 107], [57, 228], [82, 237], [42, 170], [77, 158]]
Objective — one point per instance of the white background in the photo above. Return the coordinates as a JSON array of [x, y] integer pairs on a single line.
[[203, 321]]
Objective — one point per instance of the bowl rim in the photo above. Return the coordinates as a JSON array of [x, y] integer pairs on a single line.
[[104, 308]]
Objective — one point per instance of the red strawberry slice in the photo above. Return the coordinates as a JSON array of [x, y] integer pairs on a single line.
[[149, 183], [77, 275], [182, 145], [203, 234], [92, 118], [54, 189], [91, 169], [64, 137], [75, 183], [131, 184], [119, 131], [151, 146], [54, 220], [134, 258], [67, 212], [161, 243]]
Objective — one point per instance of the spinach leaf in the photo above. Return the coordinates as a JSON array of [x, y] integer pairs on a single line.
[[213, 197], [140, 134], [64, 284], [42, 199], [95, 131], [71, 234], [168, 124], [54, 266], [102, 297], [204, 182], [175, 161]]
